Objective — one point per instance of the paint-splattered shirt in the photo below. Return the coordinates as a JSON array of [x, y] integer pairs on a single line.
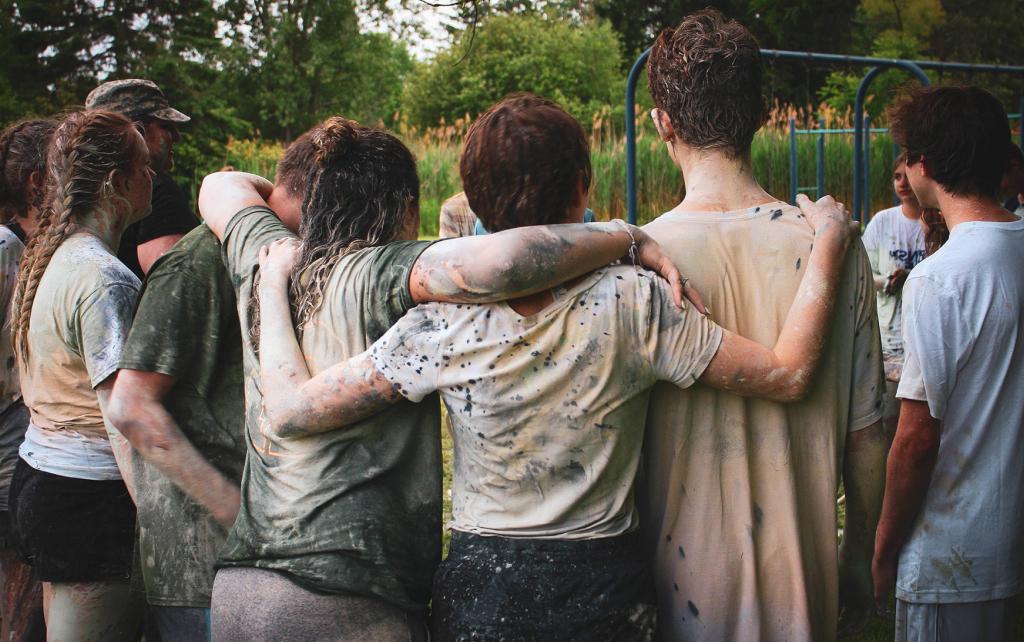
[[548, 409], [80, 318], [11, 249], [741, 492], [356, 510], [892, 241], [186, 327]]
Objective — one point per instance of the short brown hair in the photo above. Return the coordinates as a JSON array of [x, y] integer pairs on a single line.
[[962, 134], [298, 163], [706, 75], [522, 161]]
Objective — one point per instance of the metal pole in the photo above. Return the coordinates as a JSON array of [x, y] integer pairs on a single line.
[[820, 178], [896, 151], [634, 75], [867, 168], [792, 161], [1020, 121], [858, 127]]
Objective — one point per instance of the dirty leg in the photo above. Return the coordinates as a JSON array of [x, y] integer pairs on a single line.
[[91, 612]]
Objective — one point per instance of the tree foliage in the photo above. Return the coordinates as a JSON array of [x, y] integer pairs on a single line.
[[576, 64]]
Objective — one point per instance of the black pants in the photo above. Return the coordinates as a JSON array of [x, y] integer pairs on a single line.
[[72, 530], [496, 588]]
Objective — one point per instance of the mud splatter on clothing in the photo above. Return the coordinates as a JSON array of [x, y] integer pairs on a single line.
[[748, 486], [186, 327], [497, 588], [347, 511], [11, 249], [80, 319], [548, 409]]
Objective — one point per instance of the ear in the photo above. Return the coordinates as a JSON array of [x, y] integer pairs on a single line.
[[663, 124], [119, 182], [921, 167], [34, 186]]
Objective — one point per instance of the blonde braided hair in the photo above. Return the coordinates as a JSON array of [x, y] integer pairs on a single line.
[[86, 148]]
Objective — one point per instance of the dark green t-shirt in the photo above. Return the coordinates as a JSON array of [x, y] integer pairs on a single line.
[[357, 509], [186, 327]]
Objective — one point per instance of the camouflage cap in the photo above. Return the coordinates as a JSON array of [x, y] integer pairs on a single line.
[[135, 98]]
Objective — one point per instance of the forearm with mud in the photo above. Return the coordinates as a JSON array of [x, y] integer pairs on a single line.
[[298, 405], [155, 435], [516, 263], [784, 372]]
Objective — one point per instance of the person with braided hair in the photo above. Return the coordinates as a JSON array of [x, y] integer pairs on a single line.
[[22, 170], [338, 535], [73, 518]]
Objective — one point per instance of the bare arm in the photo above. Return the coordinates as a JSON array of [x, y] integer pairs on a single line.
[[118, 444], [295, 403], [524, 261], [224, 194], [136, 410], [864, 482], [150, 251], [783, 373], [908, 475]]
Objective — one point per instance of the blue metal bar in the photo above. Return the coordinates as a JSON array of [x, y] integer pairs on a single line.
[[874, 130], [896, 151], [809, 56], [1020, 124], [819, 189], [792, 161], [634, 74], [866, 187], [858, 124]]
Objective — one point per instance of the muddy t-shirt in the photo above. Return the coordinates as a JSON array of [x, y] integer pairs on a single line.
[[354, 510], [892, 241], [548, 409], [80, 318], [741, 492], [11, 249], [186, 327]]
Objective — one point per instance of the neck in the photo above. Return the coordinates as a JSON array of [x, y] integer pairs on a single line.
[[106, 223], [717, 182], [965, 209]]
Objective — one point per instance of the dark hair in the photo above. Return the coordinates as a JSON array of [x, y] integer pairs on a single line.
[[936, 232], [961, 132], [22, 152], [296, 167], [522, 161], [706, 75], [86, 147], [363, 186]]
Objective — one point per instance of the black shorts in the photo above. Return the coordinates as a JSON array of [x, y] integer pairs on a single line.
[[491, 588], [72, 530]]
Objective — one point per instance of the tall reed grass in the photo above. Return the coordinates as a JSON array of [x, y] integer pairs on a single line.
[[659, 183]]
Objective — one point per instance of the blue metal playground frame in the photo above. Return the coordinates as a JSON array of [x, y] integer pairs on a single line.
[[860, 140]]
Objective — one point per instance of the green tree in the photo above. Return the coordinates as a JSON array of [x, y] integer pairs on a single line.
[[576, 64]]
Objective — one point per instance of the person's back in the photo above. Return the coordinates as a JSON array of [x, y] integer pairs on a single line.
[[741, 492]]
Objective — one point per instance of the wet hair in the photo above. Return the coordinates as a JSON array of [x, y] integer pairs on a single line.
[[362, 189], [522, 162], [86, 147], [296, 167], [961, 133], [706, 75], [22, 152]]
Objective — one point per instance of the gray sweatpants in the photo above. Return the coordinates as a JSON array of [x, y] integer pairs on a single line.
[[990, 621], [254, 604]]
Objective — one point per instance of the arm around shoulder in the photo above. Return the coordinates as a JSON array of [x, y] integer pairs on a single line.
[[223, 194]]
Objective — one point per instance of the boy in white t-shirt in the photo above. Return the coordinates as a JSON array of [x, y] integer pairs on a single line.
[[894, 240], [952, 527]]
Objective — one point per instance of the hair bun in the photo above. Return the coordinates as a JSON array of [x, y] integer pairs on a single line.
[[333, 138]]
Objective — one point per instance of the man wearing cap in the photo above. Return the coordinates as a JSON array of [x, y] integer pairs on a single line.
[[141, 100]]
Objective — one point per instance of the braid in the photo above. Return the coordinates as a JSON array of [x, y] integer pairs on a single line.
[[85, 149]]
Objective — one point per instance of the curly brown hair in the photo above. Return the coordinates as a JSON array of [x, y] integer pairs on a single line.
[[706, 75], [522, 161], [86, 147]]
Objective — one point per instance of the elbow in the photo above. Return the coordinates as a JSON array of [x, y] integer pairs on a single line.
[[796, 385], [121, 417], [285, 422]]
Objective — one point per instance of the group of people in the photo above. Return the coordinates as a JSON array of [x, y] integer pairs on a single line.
[[241, 421]]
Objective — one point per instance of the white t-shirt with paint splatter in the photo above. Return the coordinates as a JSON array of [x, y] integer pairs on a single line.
[[548, 409]]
